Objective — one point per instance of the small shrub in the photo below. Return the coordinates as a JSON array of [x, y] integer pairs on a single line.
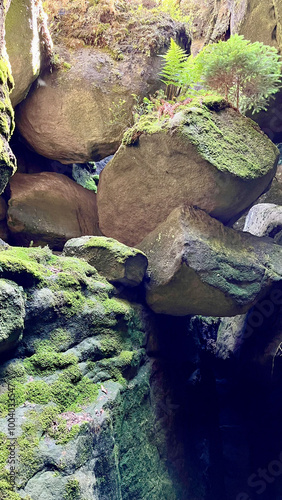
[[245, 73]]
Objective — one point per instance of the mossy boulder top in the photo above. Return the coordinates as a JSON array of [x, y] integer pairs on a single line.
[[117, 262], [214, 158]]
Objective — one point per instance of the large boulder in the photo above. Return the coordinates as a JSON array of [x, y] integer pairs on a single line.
[[49, 208], [79, 111], [11, 315], [198, 266], [117, 262], [26, 29], [90, 404], [217, 160]]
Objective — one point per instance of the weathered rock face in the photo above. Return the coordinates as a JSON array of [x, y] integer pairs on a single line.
[[50, 208], [117, 262], [7, 159], [198, 266], [94, 416], [218, 161], [12, 314], [24, 21], [79, 112], [230, 337], [215, 21], [272, 196]]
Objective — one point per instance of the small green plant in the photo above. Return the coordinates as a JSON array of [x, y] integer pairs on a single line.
[[245, 73], [118, 112], [72, 490]]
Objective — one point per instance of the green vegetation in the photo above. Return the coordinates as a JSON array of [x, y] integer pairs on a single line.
[[172, 8], [28, 443], [48, 361], [245, 73], [235, 73], [72, 490], [126, 28], [50, 377]]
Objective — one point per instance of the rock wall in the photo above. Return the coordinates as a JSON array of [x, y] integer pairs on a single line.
[[7, 159], [95, 414], [215, 20]]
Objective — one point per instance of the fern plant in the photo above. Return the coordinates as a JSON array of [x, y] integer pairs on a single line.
[[179, 71], [245, 73], [175, 60]]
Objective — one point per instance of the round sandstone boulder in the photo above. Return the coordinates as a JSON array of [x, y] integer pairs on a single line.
[[78, 112], [49, 208]]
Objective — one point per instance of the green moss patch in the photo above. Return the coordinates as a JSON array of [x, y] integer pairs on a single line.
[[121, 251], [72, 490], [229, 141], [223, 137]]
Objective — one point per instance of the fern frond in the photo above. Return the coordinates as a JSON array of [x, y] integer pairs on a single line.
[[175, 60]]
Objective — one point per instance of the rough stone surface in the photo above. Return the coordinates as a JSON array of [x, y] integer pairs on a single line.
[[198, 266], [25, 26], [222, 173], [12, 314], [117, 262], [78, 112], [265, 219], [213, 21], [89, 405], [7, 158], [23, 45], [267, 14], [272, 196], [49, 208], [230, 336]]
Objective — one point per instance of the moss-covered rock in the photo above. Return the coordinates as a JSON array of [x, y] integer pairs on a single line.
[[76, 409], [7, 125], [198, 266], [207, 155], [117, 262], [11, 315]]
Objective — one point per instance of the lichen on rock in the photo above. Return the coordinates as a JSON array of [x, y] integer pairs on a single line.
[[7, 124]]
